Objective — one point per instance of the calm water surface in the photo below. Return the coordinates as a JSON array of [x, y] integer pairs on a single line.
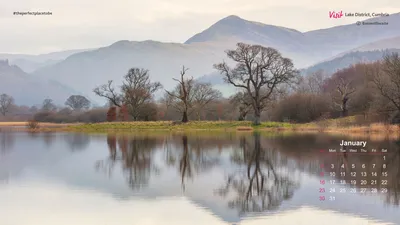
[[178, 179]]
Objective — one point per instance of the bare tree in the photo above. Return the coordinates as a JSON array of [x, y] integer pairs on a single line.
[[259, 71], [243, 101], [341, 86], [189, 96], [136, 91], [180, 98], [77, 102], [204, 94], [48, 105], [6, 102], [108, 91], [312, 83], [344, 89], [386, 77]]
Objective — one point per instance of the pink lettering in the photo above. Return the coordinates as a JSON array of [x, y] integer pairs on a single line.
[[336, 15]]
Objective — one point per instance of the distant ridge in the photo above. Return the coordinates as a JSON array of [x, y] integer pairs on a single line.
[[28, 90], [235, 26], [349, 59], [31, 62], [84, 70]]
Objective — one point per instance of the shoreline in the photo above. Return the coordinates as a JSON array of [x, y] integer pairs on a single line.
[[226, 126]]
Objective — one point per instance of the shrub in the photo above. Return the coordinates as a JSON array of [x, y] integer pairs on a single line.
[[32, 124], [123, 113], [94, 116], [301, 108], [112, 114], [42, 116], [91, 116]]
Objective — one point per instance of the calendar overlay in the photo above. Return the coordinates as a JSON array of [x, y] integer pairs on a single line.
[[353, 168]]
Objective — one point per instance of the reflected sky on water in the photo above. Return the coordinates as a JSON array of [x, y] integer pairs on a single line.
[[200, 178]]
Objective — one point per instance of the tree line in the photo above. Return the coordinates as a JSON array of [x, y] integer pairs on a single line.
[[268, 87], [259, 73]]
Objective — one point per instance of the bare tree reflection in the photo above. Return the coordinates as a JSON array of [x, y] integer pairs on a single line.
[[7, 141], [135, 155], [260, 186], [107, 165], [77, 141], [344, 161], [203, 159], [48, 138], [194, 155], [137, 161], [185, 166], [393, 172]]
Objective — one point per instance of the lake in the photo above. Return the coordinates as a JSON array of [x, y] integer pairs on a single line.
[[194, 178]]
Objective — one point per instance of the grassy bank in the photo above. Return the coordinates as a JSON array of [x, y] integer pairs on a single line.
[[169, 125], [23, 124], [41, 127], [348, 126]]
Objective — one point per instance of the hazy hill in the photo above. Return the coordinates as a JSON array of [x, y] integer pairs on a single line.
[[304, 48], [333, 41], [383, 44], [234, 26], [289, 41], [83, 71], [328, 66], [30, 63], [86, 70], [349, 59], [28, 90]]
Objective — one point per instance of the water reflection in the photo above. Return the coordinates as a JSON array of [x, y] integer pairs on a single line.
[[77, 141], [232, 176], [393, 171], [6, 141], [264, 172], [190, 157], [263, 184], [306, 145], [49, 138], [135, 155]]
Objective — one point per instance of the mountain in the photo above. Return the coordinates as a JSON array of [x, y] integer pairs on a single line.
[[301, 47], [85, 70], [349, 59], [343, 38], [358, 55], [28, 90], [384, 44], [30, 63], [289, 41]]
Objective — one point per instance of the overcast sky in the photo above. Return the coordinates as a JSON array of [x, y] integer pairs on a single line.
[[79, 24]]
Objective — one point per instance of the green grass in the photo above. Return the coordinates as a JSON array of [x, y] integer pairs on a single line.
[[168, 125], [340, 125]]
